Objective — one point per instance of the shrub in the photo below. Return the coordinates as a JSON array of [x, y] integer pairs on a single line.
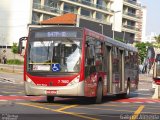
[[16, 62]]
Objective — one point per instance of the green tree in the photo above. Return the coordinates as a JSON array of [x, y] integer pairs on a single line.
[[157, 38], [14, 48], [15, 51], [142, 50]]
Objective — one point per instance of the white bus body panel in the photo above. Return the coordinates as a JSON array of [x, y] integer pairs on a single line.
[[74, 90]]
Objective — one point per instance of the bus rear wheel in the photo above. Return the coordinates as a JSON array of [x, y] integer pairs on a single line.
[[99, 96], [50, 99]]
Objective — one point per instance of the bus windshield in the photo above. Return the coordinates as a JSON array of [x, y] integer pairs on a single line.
[[54, 55]]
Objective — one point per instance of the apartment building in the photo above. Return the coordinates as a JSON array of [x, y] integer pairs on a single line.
[[123, 17]]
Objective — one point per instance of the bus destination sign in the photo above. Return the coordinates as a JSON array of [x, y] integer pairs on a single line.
[[56, 34]]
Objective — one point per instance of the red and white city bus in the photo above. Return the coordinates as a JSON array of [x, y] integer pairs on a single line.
[[72, 61]]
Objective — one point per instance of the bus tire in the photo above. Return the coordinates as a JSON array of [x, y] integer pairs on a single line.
[[50, 99], [99, 96]]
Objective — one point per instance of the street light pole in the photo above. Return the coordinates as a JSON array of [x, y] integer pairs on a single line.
[[101, 28], [113, 24]]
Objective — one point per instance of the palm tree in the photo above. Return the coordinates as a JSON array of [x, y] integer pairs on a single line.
[[157, 38]]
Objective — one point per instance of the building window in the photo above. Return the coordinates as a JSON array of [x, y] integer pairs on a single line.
[[37, 1], [85, 12], [99, 2], [132, 11], [69, 8], [51, 3], [130, 23], [36, 18], [100, 16]]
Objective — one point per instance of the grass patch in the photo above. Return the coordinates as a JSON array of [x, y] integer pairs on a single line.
[[14, 61]]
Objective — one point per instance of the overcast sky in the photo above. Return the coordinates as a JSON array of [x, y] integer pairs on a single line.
[[153, 15]]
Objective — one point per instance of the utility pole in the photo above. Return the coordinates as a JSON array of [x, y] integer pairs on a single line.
[[101, 28]]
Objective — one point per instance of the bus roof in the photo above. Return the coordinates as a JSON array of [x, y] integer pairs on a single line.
[[120, 44]]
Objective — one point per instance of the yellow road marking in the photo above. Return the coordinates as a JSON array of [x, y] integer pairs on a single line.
[[69, 113], [106, 109], [137, 112], [116, 110], [120, 105], [125, 105], [66, 107], [48, 104]]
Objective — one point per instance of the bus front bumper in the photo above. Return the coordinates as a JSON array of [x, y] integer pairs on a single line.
[[74, 90]]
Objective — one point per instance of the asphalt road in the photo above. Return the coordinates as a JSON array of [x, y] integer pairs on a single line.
[[15, 105]]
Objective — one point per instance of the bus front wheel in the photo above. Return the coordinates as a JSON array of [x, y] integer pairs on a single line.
[[50, 99], [99, 96]]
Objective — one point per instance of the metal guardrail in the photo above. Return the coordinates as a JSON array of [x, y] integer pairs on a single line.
[[84, 2], [46, 8], [133, 2], [131, 27], [132, 15], [58, 11]]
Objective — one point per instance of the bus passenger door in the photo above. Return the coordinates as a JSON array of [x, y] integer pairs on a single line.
[[121, 70], [90, 68], [117, 70], [108, 67]]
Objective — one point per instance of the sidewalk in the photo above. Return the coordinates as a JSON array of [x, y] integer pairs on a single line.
[[145, 77], [145, 82], [11, 68]]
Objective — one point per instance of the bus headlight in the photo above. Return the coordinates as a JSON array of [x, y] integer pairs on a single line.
[[29, 81], [74, 81]]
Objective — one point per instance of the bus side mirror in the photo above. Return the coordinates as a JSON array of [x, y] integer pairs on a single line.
[[20, 45]]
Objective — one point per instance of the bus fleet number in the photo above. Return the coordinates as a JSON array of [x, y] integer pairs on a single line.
[[63, 81]]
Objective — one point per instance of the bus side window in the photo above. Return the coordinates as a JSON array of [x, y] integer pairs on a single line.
[[131, 59], [99, 55], [115, 57], [127, 59]]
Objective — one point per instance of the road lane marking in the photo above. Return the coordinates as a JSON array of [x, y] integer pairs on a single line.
[[66, 107], [137, 112], [118, 110], [105, 109], [69, 113], [122, 105], [48, 104]]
